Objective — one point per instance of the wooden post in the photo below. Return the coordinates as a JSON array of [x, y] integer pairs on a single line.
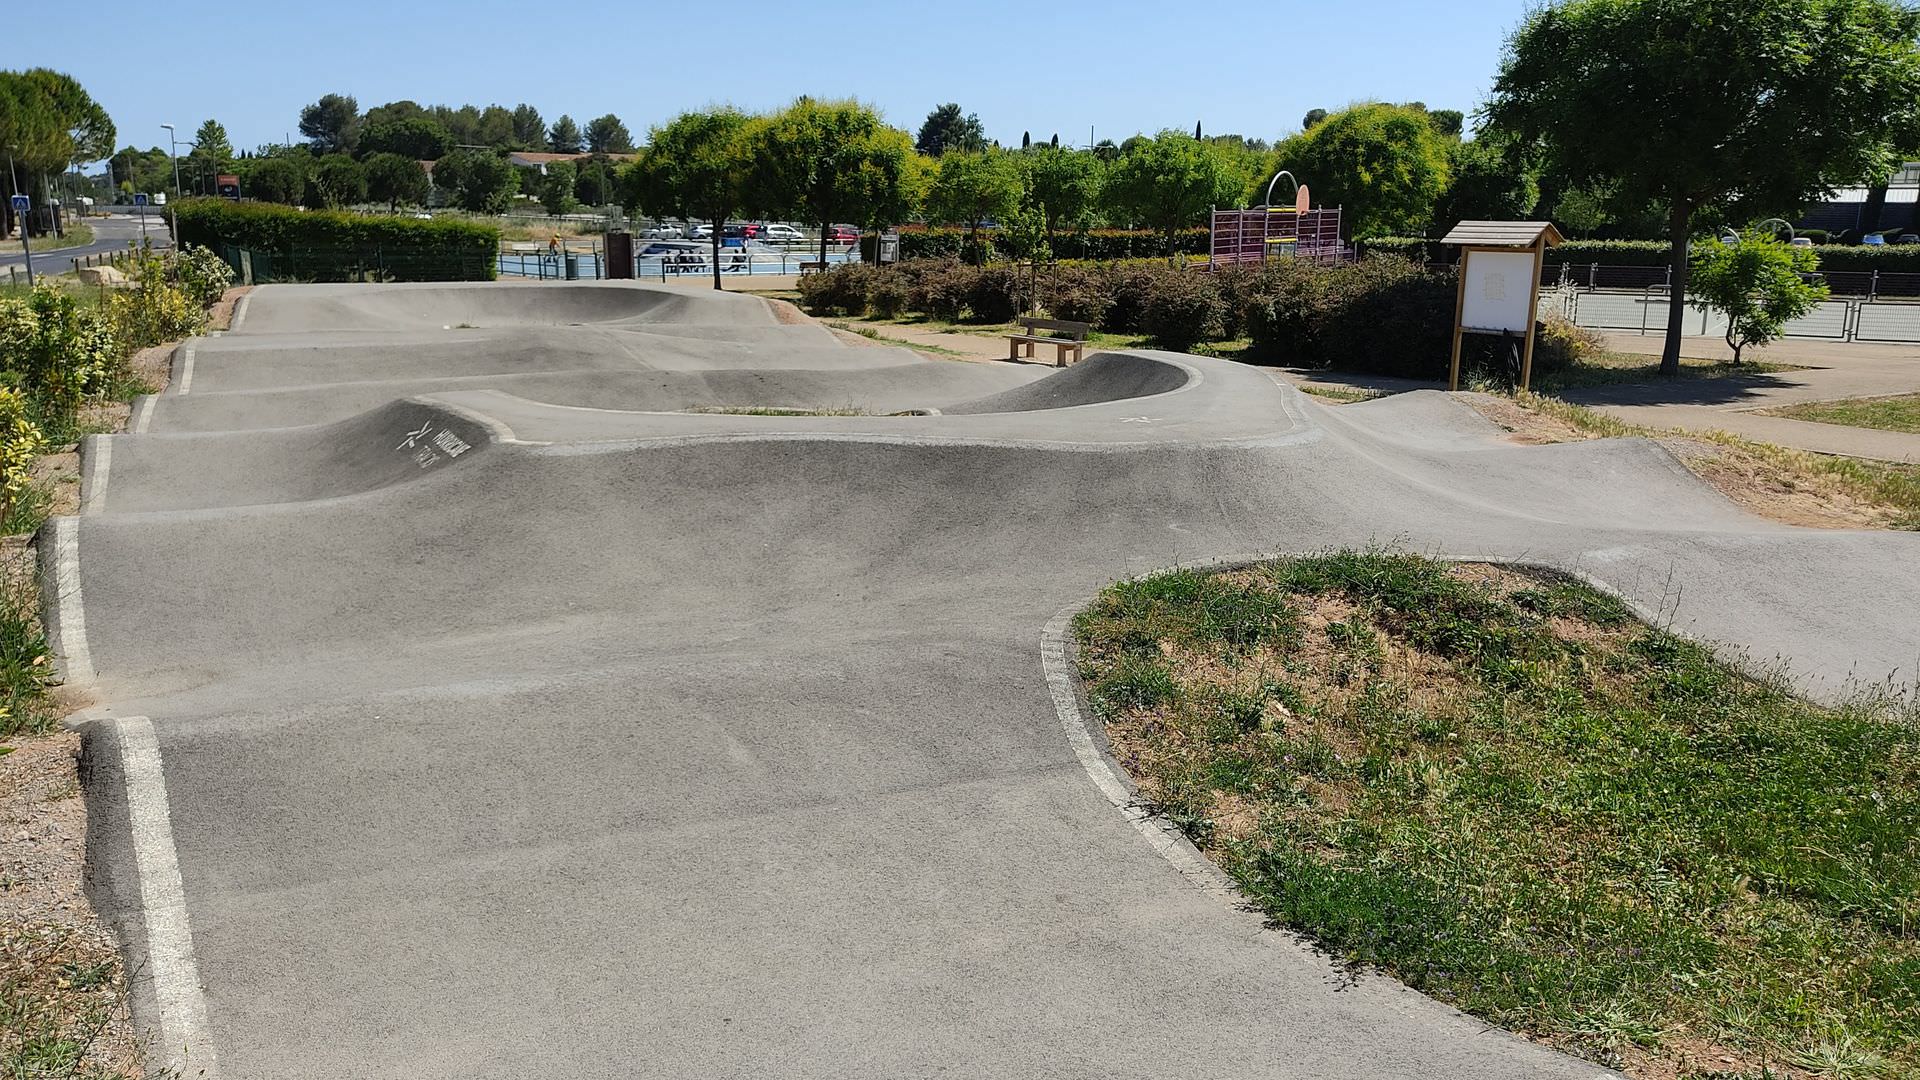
[[1533, 314], [1459, 308]]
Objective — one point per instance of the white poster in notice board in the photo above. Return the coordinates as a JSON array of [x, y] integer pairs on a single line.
[[1499, 291]]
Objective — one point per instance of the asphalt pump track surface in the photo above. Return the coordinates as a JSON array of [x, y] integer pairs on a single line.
[[466, 707]]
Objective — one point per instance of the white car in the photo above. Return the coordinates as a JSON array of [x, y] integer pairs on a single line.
[[782, 234]]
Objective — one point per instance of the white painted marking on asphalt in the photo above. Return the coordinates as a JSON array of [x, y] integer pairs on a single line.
[[185, 1039], [76, 662], [186, 369], [143, 413], [239, 313], [99, 460], [1106, 775]]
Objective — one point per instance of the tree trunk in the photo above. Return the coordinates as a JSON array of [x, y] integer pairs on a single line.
[[1874, 209], [719, 226], [1677, 228], [823, 245], [973, 242]]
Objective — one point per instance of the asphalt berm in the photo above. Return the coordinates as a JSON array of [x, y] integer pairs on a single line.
[[515, 722]]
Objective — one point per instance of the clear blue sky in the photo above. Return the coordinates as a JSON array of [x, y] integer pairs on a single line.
[[1043, 66]]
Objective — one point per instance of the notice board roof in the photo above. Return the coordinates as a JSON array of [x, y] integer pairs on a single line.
[[1509, 234]]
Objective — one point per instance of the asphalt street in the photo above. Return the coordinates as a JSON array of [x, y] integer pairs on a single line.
[[467, 707], [111, 233]]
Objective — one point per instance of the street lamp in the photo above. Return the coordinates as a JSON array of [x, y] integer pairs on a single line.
[[173, 212]]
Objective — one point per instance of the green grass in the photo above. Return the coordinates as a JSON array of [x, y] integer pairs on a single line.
[[1338, 394], [1622, 368], [76, 235], [58, 990], [26, 661], [1887, 413], [874, 335], [1508, 792]]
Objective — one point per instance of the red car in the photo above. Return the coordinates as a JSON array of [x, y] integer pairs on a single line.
[[842, 234]]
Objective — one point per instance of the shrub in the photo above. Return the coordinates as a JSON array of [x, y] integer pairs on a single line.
[[1182, 311], [1407, 247], [939, 287], [1559, 344], [921, 241], [1385, 315], [202, 275], [1080, 293], [55, 350], [20, 442], [324, 245], [153, 310], [1133, 284], [889, 295], [996, 293], [838, 290]]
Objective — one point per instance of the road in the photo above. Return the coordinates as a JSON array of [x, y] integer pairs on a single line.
[[465, 709], [111, 233]]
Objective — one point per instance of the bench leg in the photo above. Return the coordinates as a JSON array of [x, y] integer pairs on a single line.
[[1030, 350], [1060, 355], [1013, 349]]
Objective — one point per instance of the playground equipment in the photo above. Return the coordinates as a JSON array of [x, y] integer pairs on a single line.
[[1264, 232]]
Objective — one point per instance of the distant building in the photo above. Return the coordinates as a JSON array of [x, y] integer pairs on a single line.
[[1848, 208], [531, 160]]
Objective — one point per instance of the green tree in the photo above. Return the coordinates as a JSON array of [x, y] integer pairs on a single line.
[[418, 137], [48, 122], [807, 158], [565, 136], [479, 181], [1171, 182], [970, 187], [1061, 187], [275, 179], [1727, 107], [331, 124], [1485, 183], [463, 123], [211, 155], [556, 188], [395, 110], [395, 179], [337, 180], [947, 128], [529, 130], [1448, 122], [607, 135], [1312, 119], [594, 185], [1758, 283], [694, 167], [496, 128], [1384, 165]]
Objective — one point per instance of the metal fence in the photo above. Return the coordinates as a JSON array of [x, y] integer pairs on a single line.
[[587, 263], [1865, 306]]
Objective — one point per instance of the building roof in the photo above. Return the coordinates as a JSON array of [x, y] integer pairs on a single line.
[[1513, 234], [530, 157]]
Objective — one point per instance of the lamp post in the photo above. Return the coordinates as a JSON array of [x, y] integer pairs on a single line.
[[173, 212]]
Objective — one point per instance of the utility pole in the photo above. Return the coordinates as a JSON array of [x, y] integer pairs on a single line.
[[173, 212]]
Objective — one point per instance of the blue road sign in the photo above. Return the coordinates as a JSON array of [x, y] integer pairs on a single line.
[[140, 199], [21, 204]]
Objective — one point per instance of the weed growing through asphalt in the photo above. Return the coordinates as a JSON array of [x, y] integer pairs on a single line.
[[1504, 789]]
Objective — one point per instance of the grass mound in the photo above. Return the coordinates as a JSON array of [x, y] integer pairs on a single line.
[[1504, 789]]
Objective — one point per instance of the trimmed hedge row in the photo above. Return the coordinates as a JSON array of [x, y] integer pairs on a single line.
[[937, 242], [1838, 258], [335, 245], [1384, 315]]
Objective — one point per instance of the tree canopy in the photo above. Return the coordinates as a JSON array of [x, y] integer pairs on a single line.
[[825, 161], [1061, 186], [337, 180], [972, 186], [1384, 165], [565, 137], [331, 124], [607, 135], [418, 137], [396, 180], [694, 167], [1733, 107], [479, 181], [946, 128], [1171, 181]]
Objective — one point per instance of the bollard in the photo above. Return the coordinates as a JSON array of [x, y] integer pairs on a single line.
[[573, 267]]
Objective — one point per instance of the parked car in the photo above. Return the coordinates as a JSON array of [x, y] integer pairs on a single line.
[[783, 234], [1907, 238], [842, 234], [1800, 241], [748, 231], [1874, 239]]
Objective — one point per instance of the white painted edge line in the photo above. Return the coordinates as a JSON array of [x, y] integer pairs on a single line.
[[186, 368], [99, 454], [143, 414], [185, 1039], [239, 314], [70, 608], [1161, 834]]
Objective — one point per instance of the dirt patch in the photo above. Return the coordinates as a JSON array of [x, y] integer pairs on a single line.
[[786, 313], [60, 971], [220, 315], [1758, 486]]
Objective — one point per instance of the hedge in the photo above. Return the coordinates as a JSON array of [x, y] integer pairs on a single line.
[[335, 245], [1837, 258], [932, 242]]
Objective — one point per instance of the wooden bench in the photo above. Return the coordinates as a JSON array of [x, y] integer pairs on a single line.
[[810, 266], [1066, 337]]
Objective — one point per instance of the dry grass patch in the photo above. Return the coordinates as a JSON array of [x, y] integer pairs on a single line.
[[1501, 787]]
